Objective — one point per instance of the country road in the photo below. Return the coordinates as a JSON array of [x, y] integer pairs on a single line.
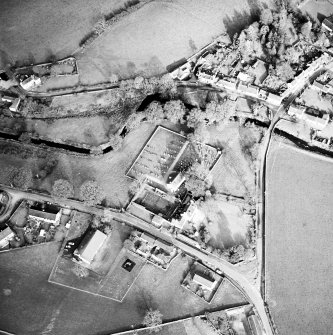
[[255, 295], [227, 268]]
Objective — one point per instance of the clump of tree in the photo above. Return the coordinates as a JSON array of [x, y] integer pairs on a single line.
[[153, 318], [91, 193], [80, 271], [47, 168], [20, 177], [197, 179], [62, 188], [221, 322]]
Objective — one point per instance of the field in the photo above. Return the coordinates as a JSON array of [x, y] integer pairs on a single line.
[[32, 32], [226, 223], [31, 305], [298, 240], [317, 9], [234, 173], [175, 29], [108, 170]]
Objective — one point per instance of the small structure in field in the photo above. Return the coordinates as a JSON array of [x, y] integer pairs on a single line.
[[89, 246], [5, 236], [14, 107]]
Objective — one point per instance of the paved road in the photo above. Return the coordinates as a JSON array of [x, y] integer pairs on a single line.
[[304, 79]]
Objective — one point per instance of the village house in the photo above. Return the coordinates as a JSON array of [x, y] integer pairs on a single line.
[[315, 119], [90, 246], [205, 281], [39, 215], [31, 82], [259, 71], [5, 236]]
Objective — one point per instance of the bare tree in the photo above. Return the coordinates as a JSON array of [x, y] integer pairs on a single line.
[[153, 318], [80, 271]]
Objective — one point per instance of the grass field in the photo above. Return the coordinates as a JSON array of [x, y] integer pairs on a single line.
[[225, 222], [317, 9], [161, 32], [234, 173], [33, 31], [298, 240], [29, 305]]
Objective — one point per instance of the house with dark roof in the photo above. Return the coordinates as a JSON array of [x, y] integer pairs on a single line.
[[259, 71], [327, 24]]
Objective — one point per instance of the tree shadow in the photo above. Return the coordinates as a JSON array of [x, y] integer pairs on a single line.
[[242, 19]]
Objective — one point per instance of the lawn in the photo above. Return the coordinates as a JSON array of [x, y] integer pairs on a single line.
[[225, 221], [33, 31], [146, 41], [234, 173], [311, 98], [298, 240]]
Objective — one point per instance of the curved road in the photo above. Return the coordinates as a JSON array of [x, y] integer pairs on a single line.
[[251, 292]]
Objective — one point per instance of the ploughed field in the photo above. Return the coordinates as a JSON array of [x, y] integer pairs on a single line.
[[299, 263]]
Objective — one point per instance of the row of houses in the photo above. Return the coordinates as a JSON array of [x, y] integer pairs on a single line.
[[315, 119]]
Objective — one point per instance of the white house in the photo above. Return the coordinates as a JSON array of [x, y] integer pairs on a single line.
[[31, 82], [5, 236]]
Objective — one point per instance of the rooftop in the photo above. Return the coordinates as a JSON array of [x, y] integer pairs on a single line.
[[204, 281], [90, 245]]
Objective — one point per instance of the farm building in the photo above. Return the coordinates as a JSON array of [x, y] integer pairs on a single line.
[[31, 82], [204, 281], [175, 180], [90, 245], [5, 236]]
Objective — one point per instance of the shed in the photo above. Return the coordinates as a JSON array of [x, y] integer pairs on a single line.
[[15, 105]]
